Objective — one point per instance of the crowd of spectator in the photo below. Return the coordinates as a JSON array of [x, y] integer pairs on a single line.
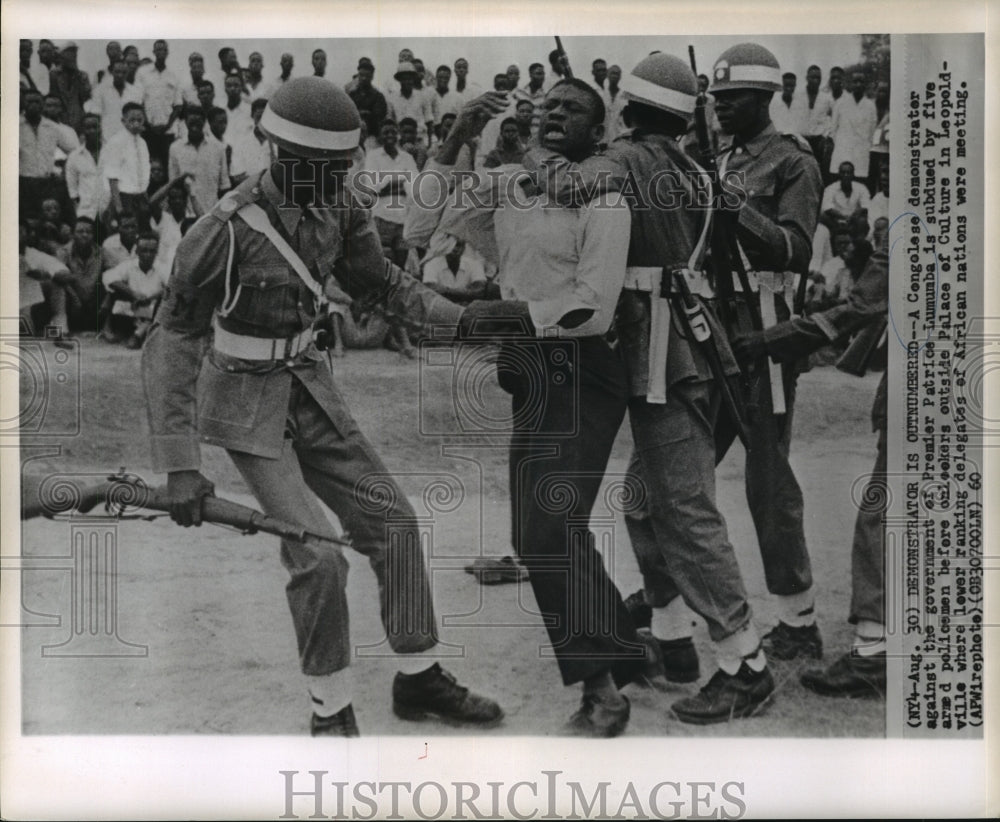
[[115, 165]]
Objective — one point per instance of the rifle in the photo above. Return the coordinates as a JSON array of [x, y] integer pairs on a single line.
[[563, 58], [121, 492]]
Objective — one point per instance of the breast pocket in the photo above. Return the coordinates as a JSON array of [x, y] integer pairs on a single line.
[[261, 293]]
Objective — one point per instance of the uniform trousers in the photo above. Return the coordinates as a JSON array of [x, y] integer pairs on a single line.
[[568, 400], [678, 535], [325, 455], [868, 550]]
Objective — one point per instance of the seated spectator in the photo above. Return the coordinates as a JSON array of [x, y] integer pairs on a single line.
[[388, 172], [410, 142], [121, 246], [252, 152], [85, 181], [81, 283], [203, 159], [454, 269], [126, 166], [509, 149], [524, 116], [36, 271], [843, 197], [134, 289], [837, 272], [51, 232]]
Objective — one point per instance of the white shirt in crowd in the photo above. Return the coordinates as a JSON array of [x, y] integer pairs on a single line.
[[126, 159], [844, 204], [378, 167], [853, 126], [107, 102]]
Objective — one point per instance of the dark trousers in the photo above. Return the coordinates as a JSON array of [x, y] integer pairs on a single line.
[[158, 145], [568, 399], [868, 551], [773, 493]]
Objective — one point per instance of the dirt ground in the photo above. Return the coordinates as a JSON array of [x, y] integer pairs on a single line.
[[195, 637]]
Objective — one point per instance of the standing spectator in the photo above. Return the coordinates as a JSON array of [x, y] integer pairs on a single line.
[[85, 182], [836, 83], [201, 158], [70, 84], [535, 90], [121, 246], [370, 101], [843, 198], [510, 150], [206, 97], [196, 67], [157, 180], [878, 156], [135, 287], [251, 152], [389, 172], [409, 141], [788, 111], [501, 82], [425, 80], [443, 99], [26, 80], [161, 100], [463, 88], [287, 64], [854, 121], [53, 112], [238, 116], [38, 140], [81, 284], [228, 64], [218, 127], [174, 218], [407, 101], [255, 78], [556, 65], [46, 62], [599, 71], [132, 63], [614, 102], [126, 166], [819, 123], [319, 63], [114, 52], [513, 77], [109, 99]]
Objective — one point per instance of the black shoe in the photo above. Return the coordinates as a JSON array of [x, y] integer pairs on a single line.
[[726, 697], [667, 661], [785, 642], [597, 719], [435, 694], [340, 724], [641, 613], [851, 675]]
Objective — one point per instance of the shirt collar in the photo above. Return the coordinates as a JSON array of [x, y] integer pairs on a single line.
[[756, 145], [290, 215]]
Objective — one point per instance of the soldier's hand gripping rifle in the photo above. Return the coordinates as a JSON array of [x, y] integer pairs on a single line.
[[122, 492]]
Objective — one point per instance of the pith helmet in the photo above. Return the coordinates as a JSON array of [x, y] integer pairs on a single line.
[[663, 81], [311, 117], [746, 66]]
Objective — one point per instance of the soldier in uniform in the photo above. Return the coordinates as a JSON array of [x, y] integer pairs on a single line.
[[678, 534], [774, 230], [247, 283], [861, 671]]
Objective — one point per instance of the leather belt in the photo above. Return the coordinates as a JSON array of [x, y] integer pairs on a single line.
[[260, 348]]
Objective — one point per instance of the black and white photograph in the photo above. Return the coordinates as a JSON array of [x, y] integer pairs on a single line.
[[423, 412]]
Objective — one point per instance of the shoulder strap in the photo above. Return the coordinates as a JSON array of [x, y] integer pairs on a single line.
[[255, 217]]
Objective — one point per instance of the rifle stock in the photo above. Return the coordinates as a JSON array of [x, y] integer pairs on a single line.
[[65, 496]]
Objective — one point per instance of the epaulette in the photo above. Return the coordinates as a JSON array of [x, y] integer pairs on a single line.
[[799, 140], [234, 199]]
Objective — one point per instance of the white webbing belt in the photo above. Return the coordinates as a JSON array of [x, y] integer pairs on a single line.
[[260, 348]]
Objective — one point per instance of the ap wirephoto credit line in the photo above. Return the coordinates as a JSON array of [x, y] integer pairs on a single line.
[[441, 413]]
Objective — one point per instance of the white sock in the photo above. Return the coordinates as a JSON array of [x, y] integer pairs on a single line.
[[869, 638], [675, 621], [743, 646], [330, 693], [797, 610], [410, 664]]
